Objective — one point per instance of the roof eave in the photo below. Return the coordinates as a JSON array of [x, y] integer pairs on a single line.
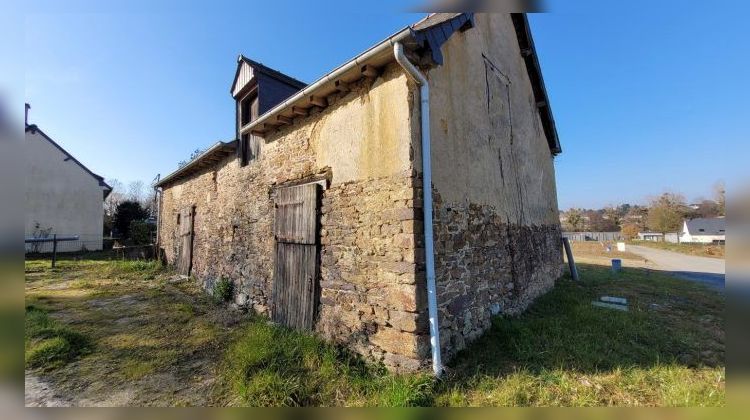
[[197, 163], [528, 51]]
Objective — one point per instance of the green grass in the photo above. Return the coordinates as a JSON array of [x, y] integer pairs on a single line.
[[177, 347], [273, 366], [667, 350], [48, 344]]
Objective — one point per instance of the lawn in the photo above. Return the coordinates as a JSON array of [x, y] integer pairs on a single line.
[[122, 333], [700, 250]]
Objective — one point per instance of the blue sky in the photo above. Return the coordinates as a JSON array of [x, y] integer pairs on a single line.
[[645, 100]]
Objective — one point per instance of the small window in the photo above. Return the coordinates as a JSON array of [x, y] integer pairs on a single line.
[[721, 230], [701, 230], [178, 218]]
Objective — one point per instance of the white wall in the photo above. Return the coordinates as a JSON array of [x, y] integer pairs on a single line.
[[61, 195], [702, 239]]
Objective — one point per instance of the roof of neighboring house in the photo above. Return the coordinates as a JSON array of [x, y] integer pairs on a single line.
[[33, 128], [712, 226], [212, 155], [430, 32]]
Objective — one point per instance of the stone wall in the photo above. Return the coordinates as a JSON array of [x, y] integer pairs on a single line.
[[497, 234], [371, 295], [486, 266], [372, 282]]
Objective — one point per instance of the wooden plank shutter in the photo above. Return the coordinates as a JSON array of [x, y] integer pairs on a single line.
[[296, 267], [296, 215], [185, 259]]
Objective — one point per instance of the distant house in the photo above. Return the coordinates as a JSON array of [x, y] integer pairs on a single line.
[[651, 236], [63, 196], [704, 230]]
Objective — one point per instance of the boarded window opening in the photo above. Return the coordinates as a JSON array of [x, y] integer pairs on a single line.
[[248, 113]]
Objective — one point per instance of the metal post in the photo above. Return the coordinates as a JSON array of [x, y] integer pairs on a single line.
[[571, 261], [54, 249]]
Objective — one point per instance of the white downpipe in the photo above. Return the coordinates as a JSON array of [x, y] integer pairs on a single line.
[[424, 93]]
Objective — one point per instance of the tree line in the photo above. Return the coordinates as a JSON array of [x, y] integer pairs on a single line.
[[664, 213]]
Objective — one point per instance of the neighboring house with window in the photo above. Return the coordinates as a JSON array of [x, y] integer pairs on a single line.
[[316, 211], [651, 236], [63, 196], [704, 230]]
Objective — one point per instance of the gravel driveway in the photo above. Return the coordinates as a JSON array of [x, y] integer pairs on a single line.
[[710, 271]]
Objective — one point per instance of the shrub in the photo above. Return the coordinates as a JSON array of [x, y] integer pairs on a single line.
[[126, 213], [223, 290], [140, 232]]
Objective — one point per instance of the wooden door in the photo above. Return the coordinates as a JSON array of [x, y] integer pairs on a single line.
[[296, 260], [185, 257]]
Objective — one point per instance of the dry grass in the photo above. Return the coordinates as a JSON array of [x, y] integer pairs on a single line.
[[699, 250], [151, 342], [592, 252]]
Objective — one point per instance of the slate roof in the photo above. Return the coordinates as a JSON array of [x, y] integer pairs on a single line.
[[713, 226]]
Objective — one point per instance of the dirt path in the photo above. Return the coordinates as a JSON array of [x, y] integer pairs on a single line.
[[41, 394], [710, 271]]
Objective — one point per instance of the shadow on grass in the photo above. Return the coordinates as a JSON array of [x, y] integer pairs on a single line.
[[669, 321]]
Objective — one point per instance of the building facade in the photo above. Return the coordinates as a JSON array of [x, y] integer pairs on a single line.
[[704, 231], [63, 196], [315, 211]]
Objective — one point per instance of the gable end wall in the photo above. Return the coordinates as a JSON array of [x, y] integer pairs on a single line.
[[497, 231]]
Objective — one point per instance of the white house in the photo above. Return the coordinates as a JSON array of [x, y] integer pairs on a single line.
[[651, 236], [705, 231], [63, 196]]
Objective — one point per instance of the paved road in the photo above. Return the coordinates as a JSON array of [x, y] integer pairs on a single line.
[[710, 271]]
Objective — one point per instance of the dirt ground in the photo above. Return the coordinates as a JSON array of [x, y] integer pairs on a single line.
[[131, 313]]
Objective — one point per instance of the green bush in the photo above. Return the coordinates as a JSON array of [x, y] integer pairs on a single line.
[[140, 232], [223, 290]]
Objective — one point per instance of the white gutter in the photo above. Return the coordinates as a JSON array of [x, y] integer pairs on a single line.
[[330, 78], [424, 93]]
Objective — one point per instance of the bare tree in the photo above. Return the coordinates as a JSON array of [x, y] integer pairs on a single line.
[[720, 197], [136, 191], [113, 200], [575, 220]]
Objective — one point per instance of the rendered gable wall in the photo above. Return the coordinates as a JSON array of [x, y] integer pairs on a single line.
[[61, 196], [497, 231]]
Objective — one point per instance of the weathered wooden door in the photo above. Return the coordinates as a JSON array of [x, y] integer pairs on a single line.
[[295, 272], [185, 257]]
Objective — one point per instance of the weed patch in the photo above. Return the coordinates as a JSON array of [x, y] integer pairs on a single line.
[[273, 366], [48, 344], [223, 290]]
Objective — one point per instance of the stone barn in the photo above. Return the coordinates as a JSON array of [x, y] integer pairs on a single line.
[[317, 210]]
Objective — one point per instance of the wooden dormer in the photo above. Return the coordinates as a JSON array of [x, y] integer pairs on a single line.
[[256, 89]]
